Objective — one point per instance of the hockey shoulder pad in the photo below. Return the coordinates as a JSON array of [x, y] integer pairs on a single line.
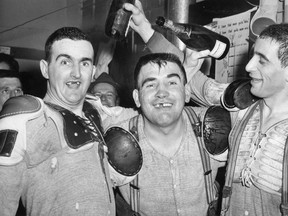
[[124, 153], [13, 118]]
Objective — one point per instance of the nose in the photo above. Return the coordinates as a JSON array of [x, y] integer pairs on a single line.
[[162, 91], [103, 97], [251, 65], [76, 71], [12, 94]]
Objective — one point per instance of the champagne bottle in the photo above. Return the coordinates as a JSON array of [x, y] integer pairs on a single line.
[[117, 21], [197, 37]]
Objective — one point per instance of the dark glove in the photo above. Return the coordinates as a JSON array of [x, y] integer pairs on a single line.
[[238, 95]]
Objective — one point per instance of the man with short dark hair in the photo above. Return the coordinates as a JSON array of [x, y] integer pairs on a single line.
[[171, 181], [52, 152]]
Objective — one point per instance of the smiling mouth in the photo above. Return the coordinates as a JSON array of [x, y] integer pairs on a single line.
[[159, 105], [73, 83], [256, 80]]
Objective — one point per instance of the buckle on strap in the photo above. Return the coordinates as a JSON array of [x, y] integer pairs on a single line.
[[284, 209], [226, 192]]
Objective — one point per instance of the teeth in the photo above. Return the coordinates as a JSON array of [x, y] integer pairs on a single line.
[[163, 105], [71, 83]]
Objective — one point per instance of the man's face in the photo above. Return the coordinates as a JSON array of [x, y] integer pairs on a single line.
[[9, 87], [69, 71], [268, 77], [107, 93], [161, 94]]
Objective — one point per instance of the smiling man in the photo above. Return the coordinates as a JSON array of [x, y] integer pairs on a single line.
[[52, 154], [170, 181]]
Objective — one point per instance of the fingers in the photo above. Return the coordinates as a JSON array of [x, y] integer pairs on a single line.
[[194, 55], [136, 10], [138, 4]]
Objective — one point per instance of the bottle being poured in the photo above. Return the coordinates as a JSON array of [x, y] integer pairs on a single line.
[[197, 37]]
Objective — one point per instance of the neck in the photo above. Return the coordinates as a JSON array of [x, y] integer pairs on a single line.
[[273, 111], [165, 140], [77, 110]]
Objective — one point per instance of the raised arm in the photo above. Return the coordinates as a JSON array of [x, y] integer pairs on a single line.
[[204, 91]]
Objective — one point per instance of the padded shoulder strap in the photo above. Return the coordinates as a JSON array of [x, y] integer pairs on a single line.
[[284, 204], [134, 185], [234, 143], [196, 124]]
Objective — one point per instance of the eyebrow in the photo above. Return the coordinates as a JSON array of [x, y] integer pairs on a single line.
[[69, 57], [150, 79], [262, 55]]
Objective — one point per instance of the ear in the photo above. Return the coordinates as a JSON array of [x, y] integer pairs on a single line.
[[93, 73], [44, 69], [136, 97], [187, 93]]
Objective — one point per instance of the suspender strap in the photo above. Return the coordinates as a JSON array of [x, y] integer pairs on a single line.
[[196, 124], [284, 204], [134, 185], [235, 138]]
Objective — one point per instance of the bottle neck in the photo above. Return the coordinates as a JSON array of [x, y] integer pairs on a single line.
[[169, 24]]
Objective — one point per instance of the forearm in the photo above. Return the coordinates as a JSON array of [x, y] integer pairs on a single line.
[[158, 43], [205, 91]]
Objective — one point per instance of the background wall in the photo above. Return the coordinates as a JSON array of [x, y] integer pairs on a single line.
[[26, 24]]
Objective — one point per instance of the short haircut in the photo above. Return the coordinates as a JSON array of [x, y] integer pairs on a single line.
[[72, 33], [279, 34], [10, 61], [157, 58]]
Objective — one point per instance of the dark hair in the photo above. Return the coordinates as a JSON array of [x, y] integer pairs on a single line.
[[10, 61], [160, 59], [72, 33], [279, 34], [9, 74]]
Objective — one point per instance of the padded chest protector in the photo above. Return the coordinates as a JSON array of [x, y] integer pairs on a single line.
[[76, 132], [13, 118]]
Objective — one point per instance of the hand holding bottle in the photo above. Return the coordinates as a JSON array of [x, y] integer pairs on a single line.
[[139, 22]]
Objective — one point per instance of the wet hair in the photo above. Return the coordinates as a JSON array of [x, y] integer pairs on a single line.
[[279, 34], [72, 33], [161, 60], [10, 61]]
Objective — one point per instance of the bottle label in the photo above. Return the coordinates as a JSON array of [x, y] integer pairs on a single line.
[[218, 49]]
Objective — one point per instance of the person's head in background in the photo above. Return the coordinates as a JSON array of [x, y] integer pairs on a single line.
[[106, 89], [10, 82]]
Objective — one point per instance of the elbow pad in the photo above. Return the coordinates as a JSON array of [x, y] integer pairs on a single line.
[[13, 117], [237, 95]]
